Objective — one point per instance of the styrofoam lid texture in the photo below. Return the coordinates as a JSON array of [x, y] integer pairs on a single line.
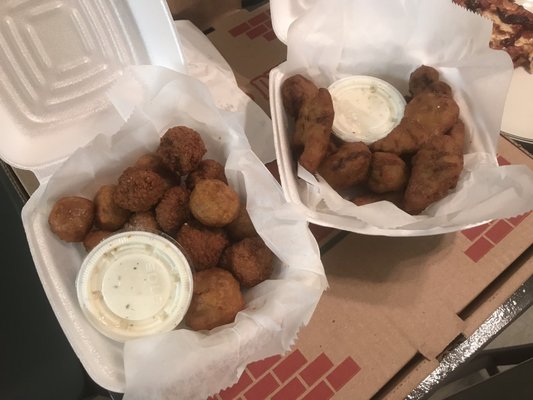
[[59, 58]]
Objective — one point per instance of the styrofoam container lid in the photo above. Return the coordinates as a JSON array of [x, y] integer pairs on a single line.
[[284, 13], [135, 284], [366, 108], [58, 60]]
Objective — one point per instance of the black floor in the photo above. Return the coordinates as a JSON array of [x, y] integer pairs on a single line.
[[36, 360]]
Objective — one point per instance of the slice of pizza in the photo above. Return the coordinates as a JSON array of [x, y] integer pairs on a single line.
[[512, 28]]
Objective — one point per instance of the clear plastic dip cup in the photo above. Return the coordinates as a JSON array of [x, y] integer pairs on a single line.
[[366, 108], [135, 284]]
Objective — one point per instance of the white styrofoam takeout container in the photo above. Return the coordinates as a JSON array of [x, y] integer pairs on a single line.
[[316, 200], [59, 59]]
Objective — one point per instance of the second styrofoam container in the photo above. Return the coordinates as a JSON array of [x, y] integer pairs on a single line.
[[328, 42]]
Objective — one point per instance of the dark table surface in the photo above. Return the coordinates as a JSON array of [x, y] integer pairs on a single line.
[[36, 360]]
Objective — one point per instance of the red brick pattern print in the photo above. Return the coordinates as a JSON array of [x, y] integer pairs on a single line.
[[261, 83], [292, 377], [485, 237], [259, 25]]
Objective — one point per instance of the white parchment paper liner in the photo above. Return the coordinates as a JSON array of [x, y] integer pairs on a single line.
[[182, 364], [389, 39]]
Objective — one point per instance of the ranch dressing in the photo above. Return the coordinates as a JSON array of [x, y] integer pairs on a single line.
[[135, 284], [366, 108]]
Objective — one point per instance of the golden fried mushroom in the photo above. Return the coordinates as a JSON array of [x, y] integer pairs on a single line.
[[173, 209], [216, 300], [207, 169], [242, 226], [203, 245], [347, 166], [71, 218], [458, 133], [214, 203], [312, 132], [388, 173], [406, 138], [436, 113], [295, 91], [421, 78], [153, 162], [181, 149], [139, 190], [250, 260], [93, 238], [108, 215], [435, 170], [143, 221]]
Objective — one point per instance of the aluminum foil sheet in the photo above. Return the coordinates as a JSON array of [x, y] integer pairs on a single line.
[[520, 301]]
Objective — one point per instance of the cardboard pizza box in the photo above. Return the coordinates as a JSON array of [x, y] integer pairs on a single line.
[[395, 305]]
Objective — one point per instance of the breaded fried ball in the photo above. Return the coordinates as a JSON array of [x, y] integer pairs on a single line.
[[250, 261], [388, 173], [203, 245], [173, 209], [207, 169], [71, 218], [153, 162], [181, 149], [214, 203], [216, 300], [94, 237], [142, 221], [436, 113], [242, 226], [139, 190], [109, 216], [421, 78], [295, 91], [347, 166]]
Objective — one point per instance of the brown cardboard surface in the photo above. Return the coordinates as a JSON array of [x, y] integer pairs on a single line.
[[202, 13], [249, 45], [394, 304]]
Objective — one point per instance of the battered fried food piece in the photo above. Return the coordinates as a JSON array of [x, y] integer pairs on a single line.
[[395, 198], [207, 169], [173, 209], [203, 245], [436, 113], [139, 190], [347, 166], [242, 226], [143, 221], [214, 203], [181, 149], [458, 133], [435, 170], [421, 78], [388, 173], [249, 260], [94, 237], [313, 130], [71, 218], [108, 215], [153, 162], [405, 138], [216, 300], [440, 87], [295, 91]]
